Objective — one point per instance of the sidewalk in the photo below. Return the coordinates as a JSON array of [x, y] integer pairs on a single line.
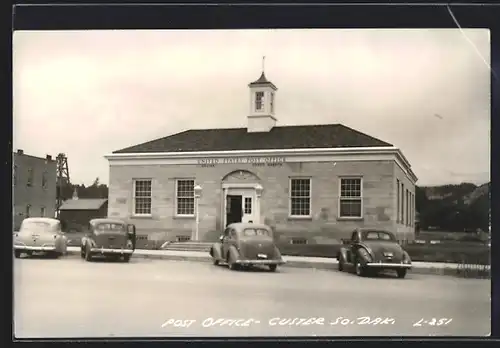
[[291, 261]]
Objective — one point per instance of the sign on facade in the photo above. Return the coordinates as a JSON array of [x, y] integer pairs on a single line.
[[255, 161]]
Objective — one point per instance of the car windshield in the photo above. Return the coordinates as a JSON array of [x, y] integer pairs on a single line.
[[38, 226], [378, 235], [253, 232], [110, 228]]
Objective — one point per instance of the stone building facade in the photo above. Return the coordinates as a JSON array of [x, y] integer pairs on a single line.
[[309, 183], [33, 187]]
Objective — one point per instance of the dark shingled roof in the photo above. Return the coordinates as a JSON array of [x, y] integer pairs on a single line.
[[263, 81], [280, 138]]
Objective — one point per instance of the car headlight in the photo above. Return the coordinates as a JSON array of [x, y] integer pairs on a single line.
[[365, 254], [129, 244]]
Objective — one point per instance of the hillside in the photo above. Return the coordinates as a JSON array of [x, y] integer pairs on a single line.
[[454, 207]]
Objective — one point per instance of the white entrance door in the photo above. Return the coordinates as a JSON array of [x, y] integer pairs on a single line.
[[248, 203]]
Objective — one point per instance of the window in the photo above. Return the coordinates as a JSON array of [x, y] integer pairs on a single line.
[[259, 101], [272, 102], [248, 205], [142, 197], [44, 180], [14, 176], [30, 177], [252, 232], [397, 203], [300, 197], [402, 204], [185, 197], [28, 210], [407, 208], [296, 241], [351, 198], [42, 211]]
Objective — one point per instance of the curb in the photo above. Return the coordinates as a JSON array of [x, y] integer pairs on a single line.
[[443, 271]]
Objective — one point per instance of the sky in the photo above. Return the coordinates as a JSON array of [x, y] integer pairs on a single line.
[[88, 93]]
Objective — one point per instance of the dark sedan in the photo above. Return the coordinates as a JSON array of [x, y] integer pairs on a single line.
[[246, 245], [371, 250], [108, 238]]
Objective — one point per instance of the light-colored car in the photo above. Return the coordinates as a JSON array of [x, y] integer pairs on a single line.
[[40, 235]]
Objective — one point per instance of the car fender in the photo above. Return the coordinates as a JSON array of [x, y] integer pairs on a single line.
[[359, 256], [342, 253], [233, 252], [277, 253], [216, 251]]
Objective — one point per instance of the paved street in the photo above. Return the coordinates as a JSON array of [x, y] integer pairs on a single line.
[[72, 298]]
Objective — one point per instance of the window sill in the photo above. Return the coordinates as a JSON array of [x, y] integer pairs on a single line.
[[350, 218], [185, 217], [141, 217], [299, 217]]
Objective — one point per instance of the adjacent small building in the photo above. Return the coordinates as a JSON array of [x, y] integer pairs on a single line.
[[310, 182], [33, 187], [76, 213]]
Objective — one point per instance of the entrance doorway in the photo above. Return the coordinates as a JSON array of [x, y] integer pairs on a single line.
[[234, 209]]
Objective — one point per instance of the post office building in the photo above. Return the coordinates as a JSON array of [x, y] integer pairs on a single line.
[[307, 182]]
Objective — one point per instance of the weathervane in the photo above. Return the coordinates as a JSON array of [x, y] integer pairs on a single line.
[[263, 63]]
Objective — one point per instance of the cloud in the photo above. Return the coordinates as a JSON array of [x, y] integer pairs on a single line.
[[87, 93]]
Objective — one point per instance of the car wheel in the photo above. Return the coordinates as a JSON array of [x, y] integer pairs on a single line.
[[360, 271], [88, 256], [341, 263], [401, 273], [215, 261], [126, 258], [272, 268], [82, 253], [17, 254]]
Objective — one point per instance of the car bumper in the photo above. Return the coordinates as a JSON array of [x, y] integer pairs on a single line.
[[259, 262], [104, 251], [34, 248], [388, 265]]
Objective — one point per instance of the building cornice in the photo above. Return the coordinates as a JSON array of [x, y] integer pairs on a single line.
[[399, 158]]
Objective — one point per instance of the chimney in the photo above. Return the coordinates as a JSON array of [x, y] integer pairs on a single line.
[[20, 152], [75, 194], [48, 157]]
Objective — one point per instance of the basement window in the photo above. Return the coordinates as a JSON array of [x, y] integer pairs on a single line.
[[298, 241], [183, 238]]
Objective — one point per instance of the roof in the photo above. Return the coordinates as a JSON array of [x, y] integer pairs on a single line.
[[106, 220], [278, 138], [42, 219], [83, 204], [262, 81]]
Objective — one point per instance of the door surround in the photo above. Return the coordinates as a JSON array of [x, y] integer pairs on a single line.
[[253, 187]]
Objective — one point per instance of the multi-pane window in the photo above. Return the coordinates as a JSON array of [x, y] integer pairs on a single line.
[[142, 197], [30, 177], [397, 203], [407, 197], [272, 102], [42, 212], [259, 101], [351, 197], [402, 204], [185, 197], [248, 205], [14, 175], [300, 197], [44, 180]]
